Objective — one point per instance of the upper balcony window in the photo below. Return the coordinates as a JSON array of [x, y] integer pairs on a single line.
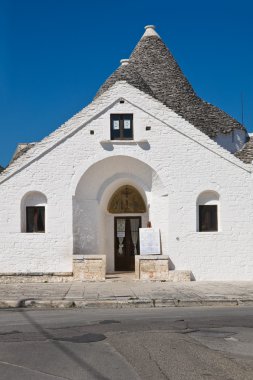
[[121, 126]]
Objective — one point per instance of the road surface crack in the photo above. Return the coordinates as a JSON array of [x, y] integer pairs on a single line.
[[34, 370], [156, 363]]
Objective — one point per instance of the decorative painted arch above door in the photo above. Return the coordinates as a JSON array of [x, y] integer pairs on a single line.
[[126, 200]]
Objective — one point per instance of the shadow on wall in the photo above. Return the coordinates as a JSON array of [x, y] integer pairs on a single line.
[[173, 268], [171, 265], [108, 145]]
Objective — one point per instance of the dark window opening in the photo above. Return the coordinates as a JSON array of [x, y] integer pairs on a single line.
[[122, 127], [208, 218], [35, 219]]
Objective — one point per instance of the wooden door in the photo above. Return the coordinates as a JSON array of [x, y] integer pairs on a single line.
[[126, 242]]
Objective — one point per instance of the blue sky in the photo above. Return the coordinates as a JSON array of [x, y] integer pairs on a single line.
[[55, 54]]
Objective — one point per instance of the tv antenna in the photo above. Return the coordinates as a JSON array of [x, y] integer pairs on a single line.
[[242, 108]]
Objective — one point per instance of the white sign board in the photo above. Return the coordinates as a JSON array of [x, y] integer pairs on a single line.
[[149, 241], [115, 124]]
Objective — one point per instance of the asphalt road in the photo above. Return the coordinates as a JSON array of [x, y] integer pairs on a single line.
[[164, 343]]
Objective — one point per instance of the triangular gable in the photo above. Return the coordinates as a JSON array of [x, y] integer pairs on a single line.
[[101, 105]]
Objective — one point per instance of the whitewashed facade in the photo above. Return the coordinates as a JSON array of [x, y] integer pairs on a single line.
[[175, 167]]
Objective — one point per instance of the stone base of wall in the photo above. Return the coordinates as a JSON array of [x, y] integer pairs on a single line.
[[179, 276], [92, 268], [21, 278], [85, 268], [152, 267], [89, 267]]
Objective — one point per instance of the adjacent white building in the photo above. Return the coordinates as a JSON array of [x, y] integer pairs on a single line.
[[147, 150]]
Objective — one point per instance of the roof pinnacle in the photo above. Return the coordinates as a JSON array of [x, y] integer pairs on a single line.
[[150, 31], [124, 62]]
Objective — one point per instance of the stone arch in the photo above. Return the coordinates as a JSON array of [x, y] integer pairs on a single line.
[[159, 174], [208, 197], [109, 187]]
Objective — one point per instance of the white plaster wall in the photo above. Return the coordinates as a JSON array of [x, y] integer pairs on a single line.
[[35, 253], [184, 162], [233, 141]]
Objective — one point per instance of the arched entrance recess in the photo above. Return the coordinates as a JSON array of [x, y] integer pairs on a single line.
[[96, 205]]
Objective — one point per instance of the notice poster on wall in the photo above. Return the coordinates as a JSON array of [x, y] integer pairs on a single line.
[[127, 124], [150, 241], [115, 124]]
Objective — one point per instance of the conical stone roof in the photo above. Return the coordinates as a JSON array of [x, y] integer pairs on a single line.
[[246, 153], [21, 149], [126, 72], [153, 69]]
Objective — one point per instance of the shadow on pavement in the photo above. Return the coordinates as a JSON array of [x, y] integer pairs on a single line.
[[66, 351]]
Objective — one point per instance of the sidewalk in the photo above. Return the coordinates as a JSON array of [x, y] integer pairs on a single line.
[[119, 292]]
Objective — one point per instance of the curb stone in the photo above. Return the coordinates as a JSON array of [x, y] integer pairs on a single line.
[[246, 302], [163, 302], [104, 304], [4, 304], [206, 302], [119, 304], [57, 304]]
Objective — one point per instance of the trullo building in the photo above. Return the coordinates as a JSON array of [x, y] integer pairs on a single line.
[[146, 150]]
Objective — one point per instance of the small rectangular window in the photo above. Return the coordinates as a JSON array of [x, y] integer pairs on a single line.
[[208, 218], [121, 127], [35, 219]]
